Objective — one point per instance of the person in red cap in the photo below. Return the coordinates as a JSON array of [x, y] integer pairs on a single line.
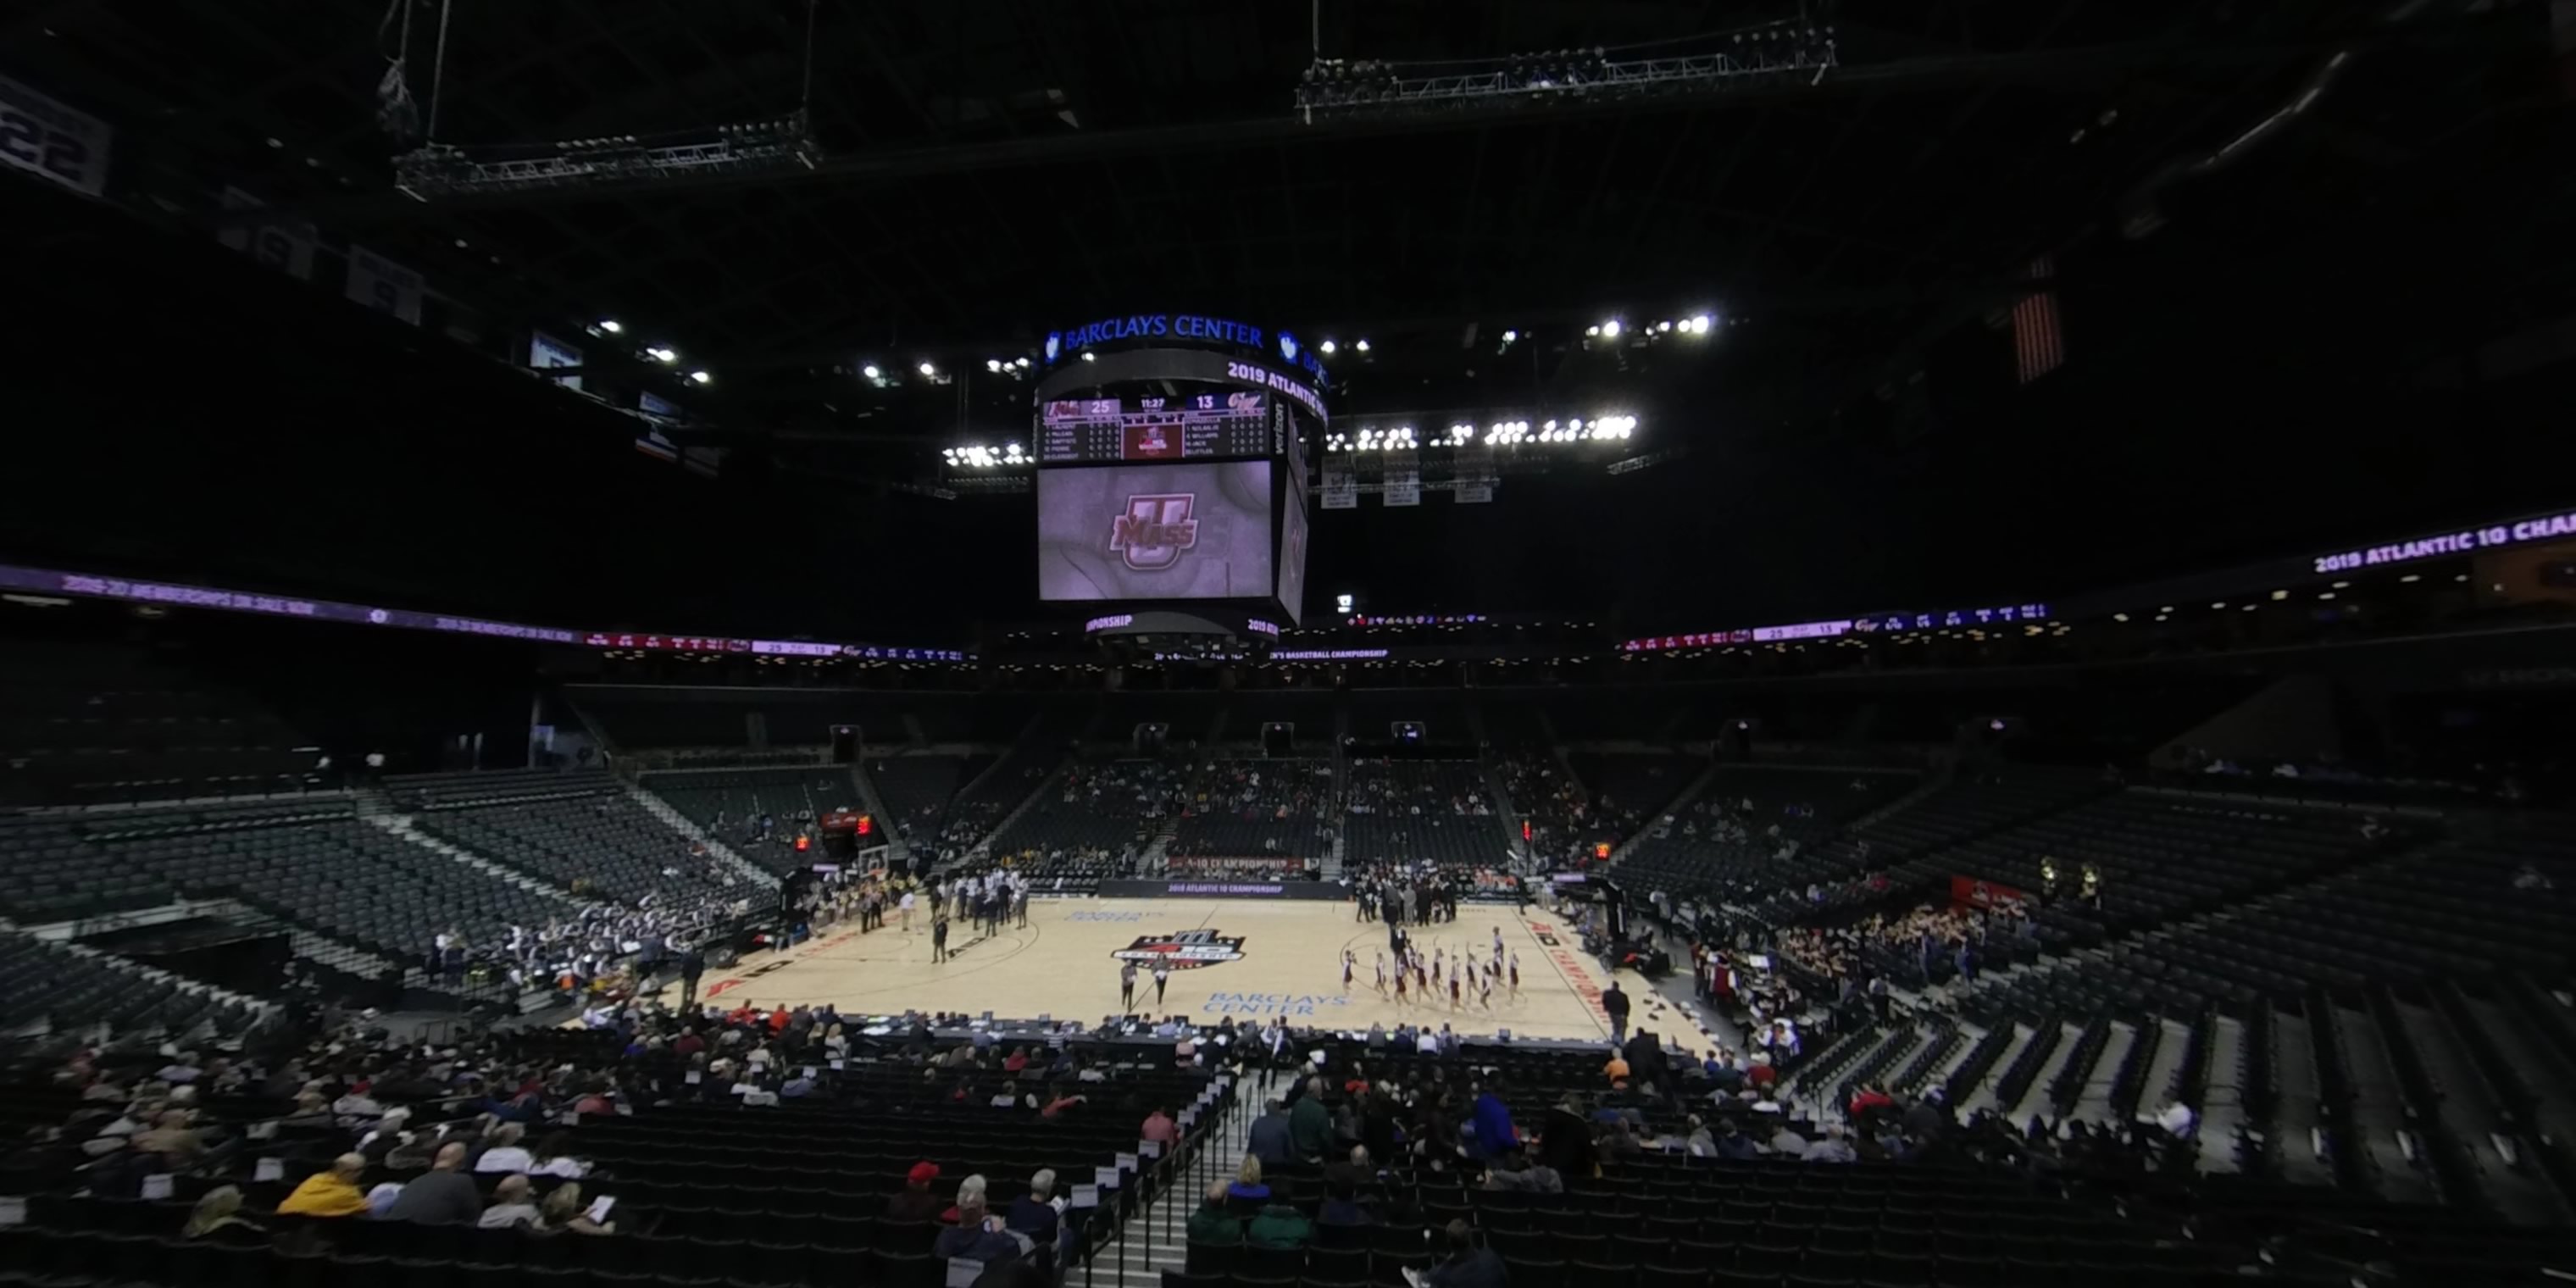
[[915, 1202]]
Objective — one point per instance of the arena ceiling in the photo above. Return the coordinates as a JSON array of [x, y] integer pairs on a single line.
[[991, 169]]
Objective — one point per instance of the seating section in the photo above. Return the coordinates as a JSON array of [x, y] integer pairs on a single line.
[[312, 863], [1756, 831], [1107, 805], [699, 1183], [487, 786], [1417, 811], [1256, 809], [46, 983], [83, 724], [727, 801], [599, 843], [917, 790]]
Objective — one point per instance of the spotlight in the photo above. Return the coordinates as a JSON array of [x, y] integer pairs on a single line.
[[1329, 347], [663, 354], [1700, 324], [1089, 356], [1663, 326], [611, 326], [1610, 329], [872, 371], [992, 364], [701, 378], [927, 369], [1023, 363], [1510, 336], [1595, 329], [1363, 344]]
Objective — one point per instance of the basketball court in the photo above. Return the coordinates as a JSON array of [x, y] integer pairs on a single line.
[[1251, 959]]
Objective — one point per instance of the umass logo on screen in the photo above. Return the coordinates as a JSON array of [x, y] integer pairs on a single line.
[[1153, 530], [1188, 950]]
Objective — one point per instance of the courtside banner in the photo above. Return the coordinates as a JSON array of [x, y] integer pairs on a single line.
[[42, 137], [1318, 890]]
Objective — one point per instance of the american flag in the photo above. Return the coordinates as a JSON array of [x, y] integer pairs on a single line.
[[2039, 346]]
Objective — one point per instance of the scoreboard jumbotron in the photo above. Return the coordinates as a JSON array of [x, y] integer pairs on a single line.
[[1154, 427], [1172, 466]]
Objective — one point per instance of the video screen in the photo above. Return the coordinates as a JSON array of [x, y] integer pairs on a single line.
[[1292, 557], [1174, 531]]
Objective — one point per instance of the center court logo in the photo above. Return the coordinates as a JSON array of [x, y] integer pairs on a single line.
[[1188, 950], [1155, 529]]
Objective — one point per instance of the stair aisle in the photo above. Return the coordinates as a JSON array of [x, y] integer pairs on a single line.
[[1152, 1239]]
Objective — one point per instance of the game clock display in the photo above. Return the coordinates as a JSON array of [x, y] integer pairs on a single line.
[[1207, 425]]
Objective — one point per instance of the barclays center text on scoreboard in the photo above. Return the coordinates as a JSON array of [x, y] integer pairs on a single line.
[[1172, 466]]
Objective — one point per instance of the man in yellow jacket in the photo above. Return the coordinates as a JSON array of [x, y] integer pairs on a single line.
[[331, 1193]]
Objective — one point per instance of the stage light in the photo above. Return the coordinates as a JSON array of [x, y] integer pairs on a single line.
[[872, 372], [1511, 336], [1328, 347], [1663, 326], [1610, 329], [1363, 344], [927, 369], [611, 326], [1089, 356], [663, 354], [1595, 329], [1700, 324], [992, 364], [701, 378], [1023, 363]]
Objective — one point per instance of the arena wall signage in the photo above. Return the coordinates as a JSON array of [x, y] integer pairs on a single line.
[[1065, 344], [1320, 890], [47, 581], [2494, 536]]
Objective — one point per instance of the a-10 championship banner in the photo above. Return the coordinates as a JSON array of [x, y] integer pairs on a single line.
[[1321, 890]]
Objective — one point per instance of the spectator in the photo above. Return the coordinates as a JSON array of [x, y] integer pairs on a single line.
[[915, 1202], [1701, 1143], [978, 1235], [1310, 1125], [1734, 1145], [1214, 1223], [1342, 1206], [1247, 1185], [562, 1210], [1466, 1266], [445, 1195], [215, 1220], [1272, 1140], [503, 1155], [1616, 1069], [1614, 1003], [1034, 1214], [332, 1192], [1280, 1227], [1833, 1148], [1492, 1119], [1159, 1127], [1355, 1172], [512, 1205]]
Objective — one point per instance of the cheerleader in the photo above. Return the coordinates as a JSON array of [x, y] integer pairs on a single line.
[[1516, 974], [1454, 997], [1350, 967], [1381, 974], [1399, 982], [1437, 956], [1498, 943], [1485, 990]]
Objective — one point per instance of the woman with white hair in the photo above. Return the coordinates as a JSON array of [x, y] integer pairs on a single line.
[[1039, 1212]]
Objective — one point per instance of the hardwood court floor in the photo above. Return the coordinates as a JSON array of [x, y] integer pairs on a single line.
[[1265, 957]]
